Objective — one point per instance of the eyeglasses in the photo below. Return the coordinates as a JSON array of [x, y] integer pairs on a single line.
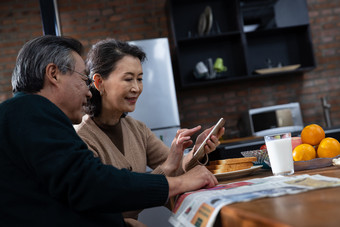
[[88, 80]]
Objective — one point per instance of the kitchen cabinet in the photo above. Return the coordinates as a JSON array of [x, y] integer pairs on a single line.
[[248, 35]]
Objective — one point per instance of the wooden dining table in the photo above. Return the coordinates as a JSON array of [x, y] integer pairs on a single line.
[[320, 207]]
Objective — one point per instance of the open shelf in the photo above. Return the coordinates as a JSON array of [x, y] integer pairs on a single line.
[[281, 34]]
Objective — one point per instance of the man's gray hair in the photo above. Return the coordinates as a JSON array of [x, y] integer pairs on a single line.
[[33, 58]]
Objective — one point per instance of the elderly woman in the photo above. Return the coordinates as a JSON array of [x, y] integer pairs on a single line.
[[118, 139]]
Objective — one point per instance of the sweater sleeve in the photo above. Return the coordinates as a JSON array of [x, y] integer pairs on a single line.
[[156, 151], [51, 152]]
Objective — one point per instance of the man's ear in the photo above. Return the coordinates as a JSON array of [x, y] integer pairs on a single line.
[[98, 82], [52, 73]]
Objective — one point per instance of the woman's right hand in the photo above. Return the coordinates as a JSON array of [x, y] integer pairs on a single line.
[[181, 141]]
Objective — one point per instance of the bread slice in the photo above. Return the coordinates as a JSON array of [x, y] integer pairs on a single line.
[[233, 161], [232, 164], [232, 167]]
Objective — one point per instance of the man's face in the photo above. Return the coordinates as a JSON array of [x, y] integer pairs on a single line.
[[74, 91]]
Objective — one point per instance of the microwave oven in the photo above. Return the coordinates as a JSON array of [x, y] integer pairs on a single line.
[[275, 119]]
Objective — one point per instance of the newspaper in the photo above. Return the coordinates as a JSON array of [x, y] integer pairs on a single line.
[[200, 208]]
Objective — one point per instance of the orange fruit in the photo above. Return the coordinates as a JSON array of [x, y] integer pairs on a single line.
[[304, 152], [328, 148], [312, 134]]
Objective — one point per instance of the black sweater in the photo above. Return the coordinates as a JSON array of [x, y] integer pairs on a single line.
[[48, 177]]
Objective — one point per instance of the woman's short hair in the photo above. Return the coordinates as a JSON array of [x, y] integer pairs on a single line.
[[102, 59], [33, 58]]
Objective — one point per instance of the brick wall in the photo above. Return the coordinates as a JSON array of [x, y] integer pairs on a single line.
[[90, 21], [19, 22]]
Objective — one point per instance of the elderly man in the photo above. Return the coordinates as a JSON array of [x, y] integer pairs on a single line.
[[48, 177]]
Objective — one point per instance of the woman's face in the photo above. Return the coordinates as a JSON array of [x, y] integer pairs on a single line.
[[123, 86]]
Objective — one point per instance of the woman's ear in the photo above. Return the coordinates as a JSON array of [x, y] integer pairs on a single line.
[[98, 81]]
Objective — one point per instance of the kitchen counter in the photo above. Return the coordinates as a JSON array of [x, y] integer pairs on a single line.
[[232, 148]]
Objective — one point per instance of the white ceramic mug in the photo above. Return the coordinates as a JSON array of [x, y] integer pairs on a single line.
[[201, 70]]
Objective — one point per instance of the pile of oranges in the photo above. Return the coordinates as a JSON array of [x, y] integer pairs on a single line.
[[315, 145]]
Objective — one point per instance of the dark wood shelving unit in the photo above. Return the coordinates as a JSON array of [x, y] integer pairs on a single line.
[[283, 36]]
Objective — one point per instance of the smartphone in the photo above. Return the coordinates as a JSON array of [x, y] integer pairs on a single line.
[[214, 131]]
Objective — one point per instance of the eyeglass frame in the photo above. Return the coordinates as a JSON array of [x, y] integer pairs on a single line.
[[88, 80]]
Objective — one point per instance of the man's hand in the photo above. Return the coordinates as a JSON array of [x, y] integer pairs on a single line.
[[196, 178]]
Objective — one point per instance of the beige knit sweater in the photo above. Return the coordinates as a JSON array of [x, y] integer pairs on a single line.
[[141, 147]]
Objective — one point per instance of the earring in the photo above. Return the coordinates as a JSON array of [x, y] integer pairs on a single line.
[[101, 93]]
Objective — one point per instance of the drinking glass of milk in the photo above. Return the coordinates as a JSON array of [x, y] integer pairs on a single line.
[[279, 149]]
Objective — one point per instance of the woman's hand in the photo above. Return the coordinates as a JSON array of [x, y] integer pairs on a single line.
[[212, 142], [210, 146], [181, 141]]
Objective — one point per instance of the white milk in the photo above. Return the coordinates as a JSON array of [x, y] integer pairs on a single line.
[[280, 156]]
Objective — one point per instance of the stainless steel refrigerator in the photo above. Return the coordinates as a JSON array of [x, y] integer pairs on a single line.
[[157, 105]]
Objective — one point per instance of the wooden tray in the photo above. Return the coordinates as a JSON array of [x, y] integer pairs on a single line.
[[312, 164], [277, 69]]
